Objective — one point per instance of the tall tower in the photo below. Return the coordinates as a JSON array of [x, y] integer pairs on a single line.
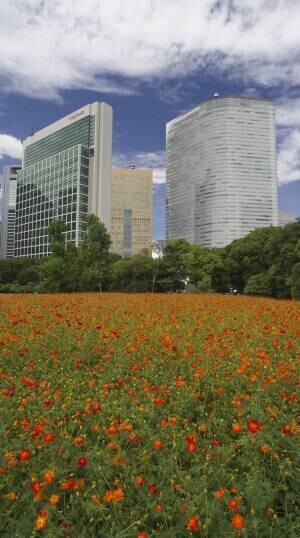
[[66, 174], [221, 171], [131, 210], [7, 226]]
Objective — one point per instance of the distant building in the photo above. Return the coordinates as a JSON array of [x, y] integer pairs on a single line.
[[221, 171], [285, 218], [131, 210], [8, 211], [66, 174]]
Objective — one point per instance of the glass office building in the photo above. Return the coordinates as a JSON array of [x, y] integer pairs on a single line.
[[221, 171], [8, 210], [66, 174]]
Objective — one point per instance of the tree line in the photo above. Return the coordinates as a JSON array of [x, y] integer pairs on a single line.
[[265, 262]]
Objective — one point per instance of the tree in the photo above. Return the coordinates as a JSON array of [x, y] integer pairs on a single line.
[[260, 284], [175, 264], [133, 274], [295, 282], [60, 271], [94, 254], [202, 267]]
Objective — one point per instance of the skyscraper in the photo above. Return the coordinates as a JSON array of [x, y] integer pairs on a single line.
[[131, 210], [7, 225], [66, 174], [221, 171]]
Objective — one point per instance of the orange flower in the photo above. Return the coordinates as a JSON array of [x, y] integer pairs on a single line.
[[54, 499], [238, 522], [114, 495], [143, 534], [112, 430], [49, 476], [219, 493], [12, 496], [235, 428], [233, 504], [139, 481], [41, 521], [157, 444], [202, 428], [193, 524], [78, 441], [95, 500], [72, 483]]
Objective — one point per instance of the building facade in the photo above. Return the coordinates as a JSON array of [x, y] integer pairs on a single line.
[[66, 174], [221, 171], [8, 210], [131, 210]]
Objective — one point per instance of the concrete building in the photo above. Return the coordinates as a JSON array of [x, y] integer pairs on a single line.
[[66, 174], [131, 210], [285, 218], [8, 210], [221, 171]]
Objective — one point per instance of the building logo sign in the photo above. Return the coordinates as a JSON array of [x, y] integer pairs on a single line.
[[73, 116]]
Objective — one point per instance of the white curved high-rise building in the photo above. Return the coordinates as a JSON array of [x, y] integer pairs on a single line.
[[221, 171]]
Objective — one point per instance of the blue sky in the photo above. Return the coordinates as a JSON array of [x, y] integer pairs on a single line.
[[150, 60]]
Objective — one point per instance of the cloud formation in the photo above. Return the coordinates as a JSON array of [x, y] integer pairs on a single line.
[[110, 46], [289, 158], [10, 146]]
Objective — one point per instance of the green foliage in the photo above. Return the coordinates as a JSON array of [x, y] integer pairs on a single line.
[[133, 274], [94, 254], [260, 284], [295, 282], [262, 263]]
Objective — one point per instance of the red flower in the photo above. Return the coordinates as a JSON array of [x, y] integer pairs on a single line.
[[253, 426], [82, 462], [286, 430], [191, 438], [36, 486], [193, 524], [192, 447], [135, 439], [48, 403], [49, 437], [25, 454], [159, 401], [216, 442], [153, 489]]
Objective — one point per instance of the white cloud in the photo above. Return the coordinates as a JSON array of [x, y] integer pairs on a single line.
[[10, 146], [143, 159], [289, 158], [288, 112], [109, 45]]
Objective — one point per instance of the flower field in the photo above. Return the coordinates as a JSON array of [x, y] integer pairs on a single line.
[[148, 416]]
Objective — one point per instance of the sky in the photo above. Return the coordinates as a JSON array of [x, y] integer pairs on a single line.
[[150, 60]]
